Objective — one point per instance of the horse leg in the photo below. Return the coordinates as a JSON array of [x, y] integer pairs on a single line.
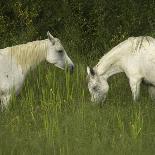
[[5, 101], [151, 90], [135, 87]]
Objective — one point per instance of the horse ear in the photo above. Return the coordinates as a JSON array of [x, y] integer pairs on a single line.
[[51, 38], [90, 71]]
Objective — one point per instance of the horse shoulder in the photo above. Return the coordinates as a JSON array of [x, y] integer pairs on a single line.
[[11, 74]]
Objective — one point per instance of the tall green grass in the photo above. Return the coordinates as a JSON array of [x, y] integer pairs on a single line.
[[53, 115]]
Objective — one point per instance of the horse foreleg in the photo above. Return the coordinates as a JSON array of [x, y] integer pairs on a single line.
[[135, 88], [5, 101], [151, 90]]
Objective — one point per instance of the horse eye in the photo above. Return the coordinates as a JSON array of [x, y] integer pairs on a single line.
[[95, 88], [60, 51]]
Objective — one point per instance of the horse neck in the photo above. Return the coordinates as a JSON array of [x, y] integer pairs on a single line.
[[110, 63], [29, 58], [114, 69]]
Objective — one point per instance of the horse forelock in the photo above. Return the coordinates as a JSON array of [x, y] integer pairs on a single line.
[[29, 53]]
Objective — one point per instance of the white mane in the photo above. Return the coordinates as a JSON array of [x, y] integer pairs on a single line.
[[140, 42], [30, 53]]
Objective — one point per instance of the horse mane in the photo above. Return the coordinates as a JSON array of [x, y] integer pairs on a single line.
[[140, 42], [30, 53]]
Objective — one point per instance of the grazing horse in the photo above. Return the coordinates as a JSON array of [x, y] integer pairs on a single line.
[[17, 61], [134, 56]]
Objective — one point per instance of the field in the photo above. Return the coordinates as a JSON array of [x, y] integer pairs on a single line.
[[53, 115]]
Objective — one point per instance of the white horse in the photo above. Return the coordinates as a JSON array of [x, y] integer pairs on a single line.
[[134, 56], [16, 62]]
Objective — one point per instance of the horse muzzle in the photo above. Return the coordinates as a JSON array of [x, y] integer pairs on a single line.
[[71, 68]]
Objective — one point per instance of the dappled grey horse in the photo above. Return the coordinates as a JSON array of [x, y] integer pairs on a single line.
[[16, 62], [134, 56]]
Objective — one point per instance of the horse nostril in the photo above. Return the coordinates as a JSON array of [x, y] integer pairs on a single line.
[[71, 68]]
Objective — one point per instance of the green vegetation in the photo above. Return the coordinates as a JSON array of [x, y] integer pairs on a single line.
[[53, 113]]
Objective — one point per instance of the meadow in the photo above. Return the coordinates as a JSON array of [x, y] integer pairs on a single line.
[[53, 115]]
